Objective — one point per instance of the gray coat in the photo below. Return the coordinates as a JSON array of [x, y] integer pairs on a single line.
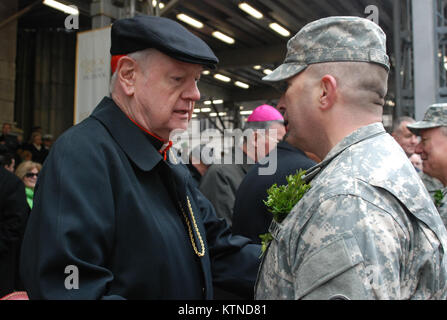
[[219, 186]]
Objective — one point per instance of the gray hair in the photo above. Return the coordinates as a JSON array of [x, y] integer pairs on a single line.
[[398, 122], [142, 59], [256, 125]]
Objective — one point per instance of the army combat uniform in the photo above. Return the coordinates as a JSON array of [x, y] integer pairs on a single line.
[[431, 184], [366, 229], [434, 186], [435, 117]]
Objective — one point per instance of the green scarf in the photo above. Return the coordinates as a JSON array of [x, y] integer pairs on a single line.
[[29, 196]]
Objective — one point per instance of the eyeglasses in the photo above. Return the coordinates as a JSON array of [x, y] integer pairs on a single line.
[[31, 175]]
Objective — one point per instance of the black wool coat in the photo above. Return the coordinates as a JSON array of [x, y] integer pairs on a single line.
[[14, 212], [251, 216], [111, 209]]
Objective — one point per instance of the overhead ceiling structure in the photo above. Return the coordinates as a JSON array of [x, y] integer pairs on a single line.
[[255, 42], [258, 48]]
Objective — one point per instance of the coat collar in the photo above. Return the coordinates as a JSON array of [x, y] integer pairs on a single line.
[[287, 146], [364, 133], [138, 145]]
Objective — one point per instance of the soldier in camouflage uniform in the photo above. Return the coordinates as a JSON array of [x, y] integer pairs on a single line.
[[433, 150], [431, 184], [367, 228]]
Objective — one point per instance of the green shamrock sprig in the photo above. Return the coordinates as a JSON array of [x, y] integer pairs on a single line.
[[281, 200], [438, 197]]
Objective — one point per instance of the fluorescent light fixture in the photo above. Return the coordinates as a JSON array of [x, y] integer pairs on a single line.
[[257, 67], [61, 7], [196, 110], [221, 77], [206, 72], [223, 37], [221, 114], [267, 71], [208, 102], [250, 10], [191, 21], [390, 103], [194, 116], [161, 5], [279, 29], [247, 112], [205, 109], [242, 85]]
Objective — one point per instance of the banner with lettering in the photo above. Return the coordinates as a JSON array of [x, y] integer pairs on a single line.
[[92, 71]]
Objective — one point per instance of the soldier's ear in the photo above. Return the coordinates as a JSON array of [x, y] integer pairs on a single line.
[[127, 68], [328, 92]]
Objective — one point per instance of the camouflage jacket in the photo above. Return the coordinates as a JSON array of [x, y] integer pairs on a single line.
[[433, 186], [367, 229], [441, 205]]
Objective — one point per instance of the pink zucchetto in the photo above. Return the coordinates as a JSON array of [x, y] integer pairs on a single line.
[[265, 113]]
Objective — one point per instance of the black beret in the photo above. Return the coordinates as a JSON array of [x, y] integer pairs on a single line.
[[143, 32]]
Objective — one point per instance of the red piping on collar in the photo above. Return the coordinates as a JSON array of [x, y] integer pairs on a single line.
[[168, 143]]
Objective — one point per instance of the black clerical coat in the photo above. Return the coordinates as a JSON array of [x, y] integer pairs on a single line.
[[13, 216], [251, 216], [110, 208]]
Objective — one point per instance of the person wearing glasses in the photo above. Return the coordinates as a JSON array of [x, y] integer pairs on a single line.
[[28, 171]]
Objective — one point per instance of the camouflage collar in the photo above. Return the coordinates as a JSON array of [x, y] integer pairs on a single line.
[[364, 133]]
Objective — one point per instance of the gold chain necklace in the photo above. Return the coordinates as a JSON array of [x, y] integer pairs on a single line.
[[191, 236]]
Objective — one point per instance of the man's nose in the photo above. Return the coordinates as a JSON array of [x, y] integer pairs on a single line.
[[192, 92], [281, 107], [419, 149]]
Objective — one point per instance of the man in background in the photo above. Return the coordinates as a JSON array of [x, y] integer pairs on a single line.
[[433, 151], [404, 137], [221, 181], [251, 217]]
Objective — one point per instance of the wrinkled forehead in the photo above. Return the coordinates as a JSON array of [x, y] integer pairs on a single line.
[[166, 63], [429, 132], [403, 126]]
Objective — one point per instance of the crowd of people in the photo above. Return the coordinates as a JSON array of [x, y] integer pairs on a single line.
[[135, 223], [24, 160]]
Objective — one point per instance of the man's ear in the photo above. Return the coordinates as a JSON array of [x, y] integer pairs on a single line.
[[127, 68], [328, 93]]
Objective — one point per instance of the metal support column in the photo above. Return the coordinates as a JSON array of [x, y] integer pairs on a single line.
[[425, 53], [441, 48], [397, 58], [103, 12]]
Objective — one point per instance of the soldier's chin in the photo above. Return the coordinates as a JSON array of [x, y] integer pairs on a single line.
[[426, 169]]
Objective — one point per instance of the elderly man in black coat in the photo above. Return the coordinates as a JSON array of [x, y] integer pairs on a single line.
[[116, 216]]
